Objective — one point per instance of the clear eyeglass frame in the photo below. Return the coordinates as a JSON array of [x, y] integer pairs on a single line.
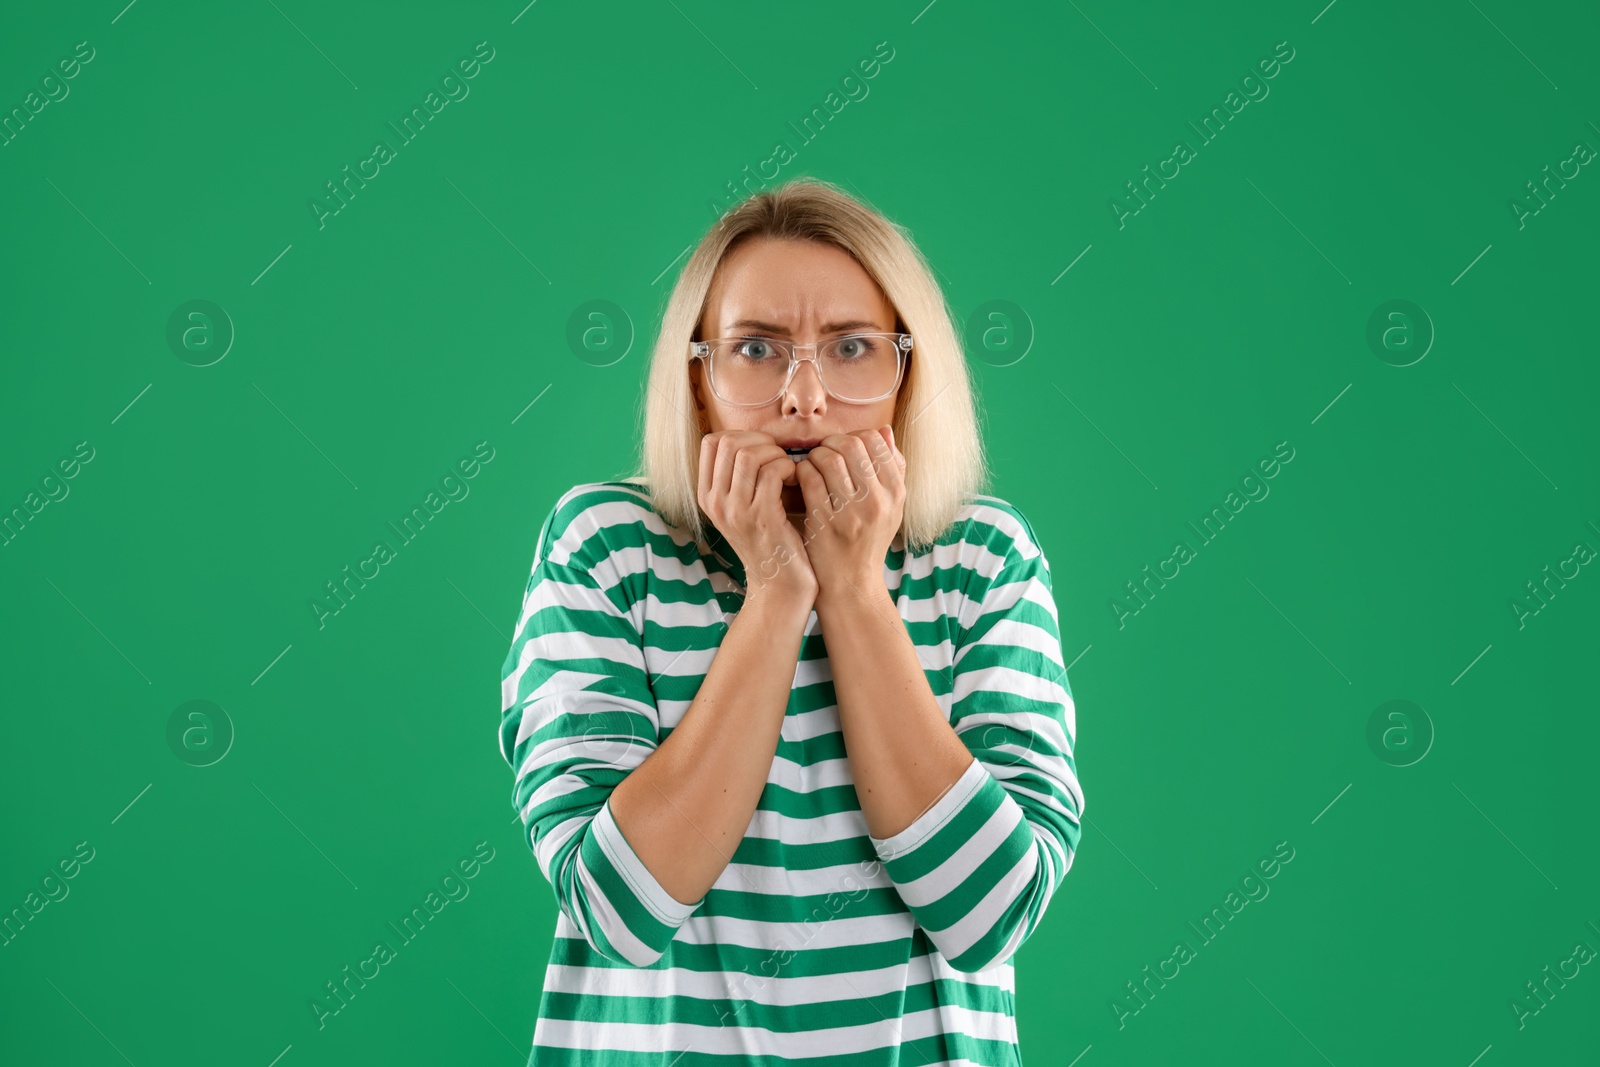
[[901, 343]]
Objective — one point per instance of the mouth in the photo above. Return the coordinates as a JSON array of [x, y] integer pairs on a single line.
[[798, 450]]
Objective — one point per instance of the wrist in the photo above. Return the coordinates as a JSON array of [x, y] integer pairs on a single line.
[[861, 591], [782, 601]]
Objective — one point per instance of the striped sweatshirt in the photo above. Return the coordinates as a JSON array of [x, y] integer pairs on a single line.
[[818, 944]]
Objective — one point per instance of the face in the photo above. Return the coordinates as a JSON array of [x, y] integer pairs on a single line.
[[801, 291]]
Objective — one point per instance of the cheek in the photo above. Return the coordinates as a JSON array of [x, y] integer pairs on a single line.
[[708, 406], [884, 416], [724, 418]]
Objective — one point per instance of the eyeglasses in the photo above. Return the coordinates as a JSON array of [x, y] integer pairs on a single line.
[[858, 368]]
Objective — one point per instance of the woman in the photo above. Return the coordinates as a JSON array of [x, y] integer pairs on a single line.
[[787, 710]]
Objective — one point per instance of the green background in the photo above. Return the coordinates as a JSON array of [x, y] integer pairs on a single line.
[[1124, 398]]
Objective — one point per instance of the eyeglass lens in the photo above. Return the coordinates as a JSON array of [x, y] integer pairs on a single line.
[[752, 370]]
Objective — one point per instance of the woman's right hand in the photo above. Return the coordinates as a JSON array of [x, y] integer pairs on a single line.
[[742, 475]]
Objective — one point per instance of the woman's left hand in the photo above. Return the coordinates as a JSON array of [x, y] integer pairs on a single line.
[[854, 489]]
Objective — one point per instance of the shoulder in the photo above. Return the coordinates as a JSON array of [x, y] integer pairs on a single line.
[[997, 526], [996, 547], [595, 518], [995, 562]]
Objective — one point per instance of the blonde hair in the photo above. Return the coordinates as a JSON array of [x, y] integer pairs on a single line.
[[936, 419]]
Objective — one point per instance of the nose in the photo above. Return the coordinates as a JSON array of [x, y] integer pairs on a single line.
[[805, 395]]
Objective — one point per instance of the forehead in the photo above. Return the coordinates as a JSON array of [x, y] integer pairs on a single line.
[[794, 284]]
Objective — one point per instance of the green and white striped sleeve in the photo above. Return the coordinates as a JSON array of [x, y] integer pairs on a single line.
[[578, 715], [977, 869]]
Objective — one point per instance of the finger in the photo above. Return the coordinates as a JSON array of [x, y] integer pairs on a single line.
[[886, 432], [887, 462], [746, 475], [779, 466], [858, 454], [814, 488], [722, 472], [769, 486], [754, 456], [708, 458], [831, 464], [781, 461], [727, 453]]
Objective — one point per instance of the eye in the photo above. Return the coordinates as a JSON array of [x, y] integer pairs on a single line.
[[855, 348], [755, 349]]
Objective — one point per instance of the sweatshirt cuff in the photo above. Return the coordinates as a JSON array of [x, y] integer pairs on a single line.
[[634, 892], [938, 833]]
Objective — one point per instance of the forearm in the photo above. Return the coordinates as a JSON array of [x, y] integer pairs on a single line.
[[902, 750], [686, 807]]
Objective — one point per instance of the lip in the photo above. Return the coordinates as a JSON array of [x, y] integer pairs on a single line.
[[811, 443]]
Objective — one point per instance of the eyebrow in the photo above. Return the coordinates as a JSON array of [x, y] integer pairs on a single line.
[[832, 327]]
